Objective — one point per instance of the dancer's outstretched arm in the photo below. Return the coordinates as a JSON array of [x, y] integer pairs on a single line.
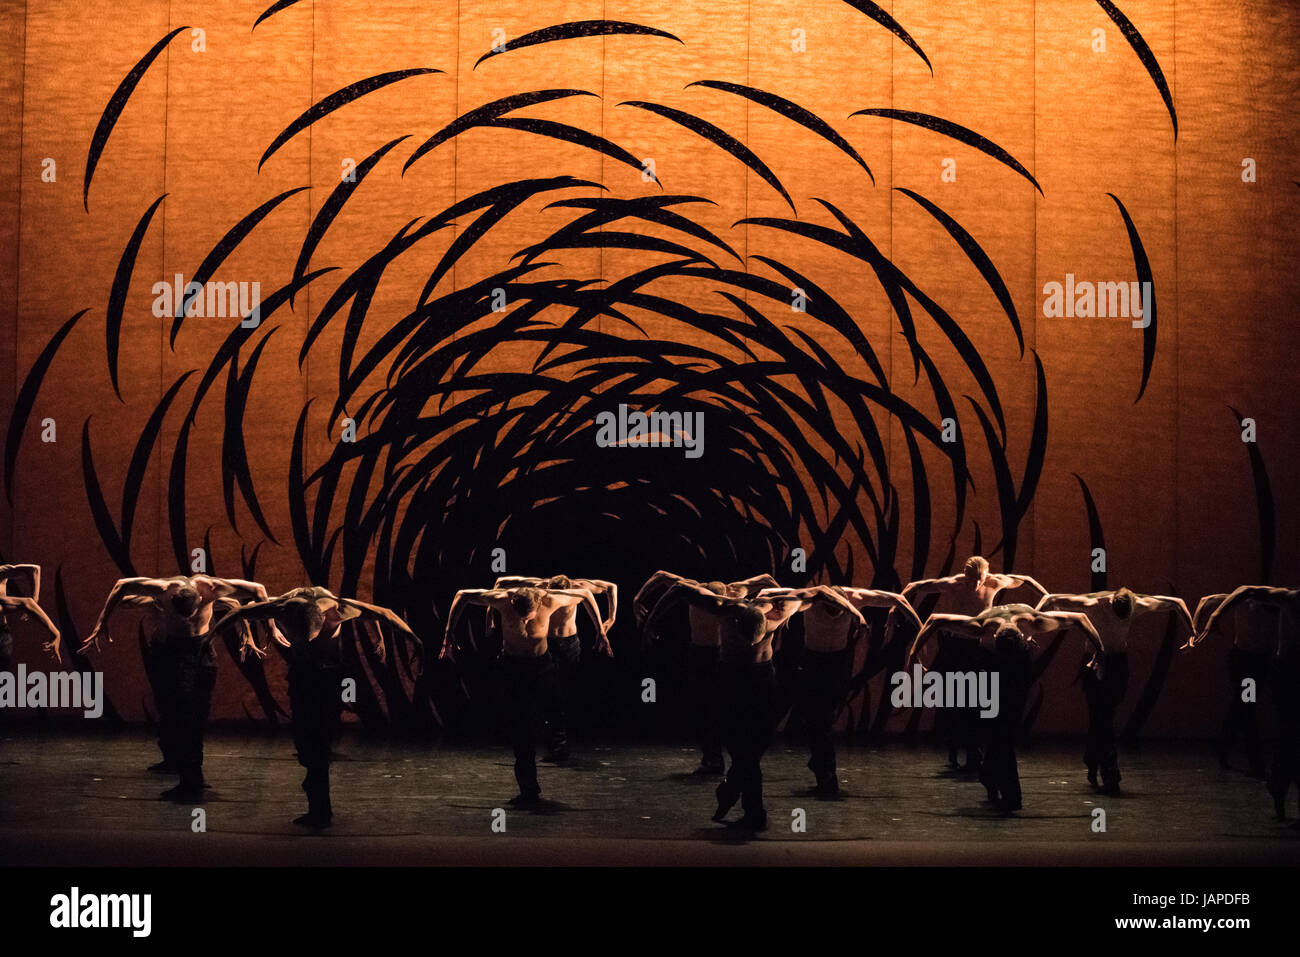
[[598, 587], [31, 574], [1063, 602], [1012, 582], [962, 626], [756, 584], [878, 598], [587, 601], [378, 613], [1145, 604], [254, 611], [928, 586], [491, 598], [650, 594], [681, 591], [1206, 607], [28, 606], [1265, 593], [124, 588]]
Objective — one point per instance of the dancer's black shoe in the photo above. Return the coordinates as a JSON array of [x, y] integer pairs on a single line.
[[826, 786], [751, 821], [525, 800], [726, 801], [316, 821], [183, 795]]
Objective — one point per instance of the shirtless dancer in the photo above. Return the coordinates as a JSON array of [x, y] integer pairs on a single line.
[[704, 643], [565, 647], [309, 620], [20, 607], [183, 659], [527, 668], [969, 593], [1280, 638], [749, 630], [1006, 633], [832, 620], [1112, 613], [1251, 627]]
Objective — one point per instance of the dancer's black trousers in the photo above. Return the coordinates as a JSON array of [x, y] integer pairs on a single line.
[[529, 686], [567, 654], [823, 677], [1103, 696], [749, 722], [1000, 772], [1243, 716], [1286, 760], [316, 702], [706, 702], [185, 670]]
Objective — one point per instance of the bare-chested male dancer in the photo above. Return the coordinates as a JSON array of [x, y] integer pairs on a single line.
[[832, 620], [527, 668], [20, 603], [1281, 636], [749, 630], [183, 660], [1112, 613], [1251, 627], [969, 593], [1006, 633], [309, 620], [565, 648], [704, 644]]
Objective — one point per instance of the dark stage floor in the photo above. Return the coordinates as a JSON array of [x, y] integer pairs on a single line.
[[86, 800]]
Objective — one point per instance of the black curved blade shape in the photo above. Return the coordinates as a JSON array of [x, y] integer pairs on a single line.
[[881, 16], [1144, 53], [135, 472], [1145, 281], [27, 399], [488, 111], [1096, 537], [108, 532], [234, 453], [337, 100], [793, 111], [574, 30], [1155, 680], [332, 206], [1264, 505], [116, 104], [976, 254], [234, 236], [1037, 443], [273, 9], [121, 285], [68, 626], [955, 131], [571, 134], [718, 137]]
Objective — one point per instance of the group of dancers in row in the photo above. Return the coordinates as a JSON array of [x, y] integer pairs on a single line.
[[733, 631]]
